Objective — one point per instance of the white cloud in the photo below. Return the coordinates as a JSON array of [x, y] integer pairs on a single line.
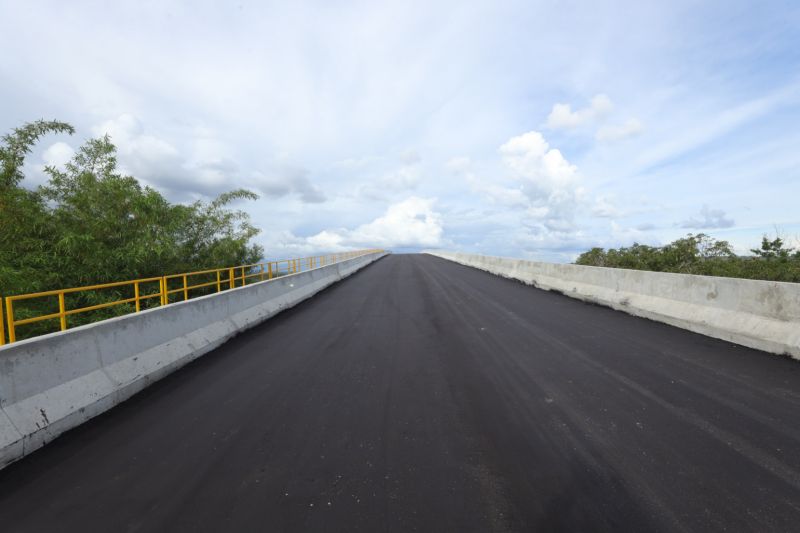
[[626, 236], [57, 154], [353, 163], [405, 177], [247, 85], [543, 186], [458, 164], [629, 128], [531, 158], [563, 117], [145, 153], [604, 207], [709, 219], [410, 157], [410, 223], [154, 160], [204, 168], [402, 179], [505, 196], [548, 180], [286, 182]]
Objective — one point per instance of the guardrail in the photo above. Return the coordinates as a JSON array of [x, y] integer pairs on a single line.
[[142, 291]]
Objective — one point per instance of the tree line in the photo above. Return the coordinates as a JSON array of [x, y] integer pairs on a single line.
[[91, 224], [703, 255]]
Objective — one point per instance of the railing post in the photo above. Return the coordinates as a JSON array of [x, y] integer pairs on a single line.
[[231, 280], [10, 320], [219, 285], [269, 269], [164, 295], [2, 324], [136, 295], [262, 271], [185, 288], [62, 309], [244, 279]]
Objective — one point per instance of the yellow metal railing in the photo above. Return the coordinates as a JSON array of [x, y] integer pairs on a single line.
[[213, 280]]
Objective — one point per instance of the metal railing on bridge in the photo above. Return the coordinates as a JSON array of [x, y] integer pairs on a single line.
[[145, 293]]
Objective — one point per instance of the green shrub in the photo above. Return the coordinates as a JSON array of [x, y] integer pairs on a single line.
[[703, 255], [90, 224]]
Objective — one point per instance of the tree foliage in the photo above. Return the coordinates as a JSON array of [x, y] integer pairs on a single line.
[[17, 144], [91, 224], [703, 255]]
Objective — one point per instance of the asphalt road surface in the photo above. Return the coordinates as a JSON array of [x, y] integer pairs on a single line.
[[421, 395]]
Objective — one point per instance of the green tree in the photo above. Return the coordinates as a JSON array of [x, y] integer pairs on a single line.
[[18, 144], [773, 249], [91, 224], [25, 231], [703, 255], [594, 257]]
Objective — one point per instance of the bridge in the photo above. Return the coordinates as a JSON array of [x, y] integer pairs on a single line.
[[419, 394]]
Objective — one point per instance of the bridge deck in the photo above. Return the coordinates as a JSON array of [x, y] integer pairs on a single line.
[[424, 395]]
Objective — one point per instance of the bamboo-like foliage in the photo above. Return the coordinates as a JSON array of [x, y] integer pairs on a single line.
[[91, 224]]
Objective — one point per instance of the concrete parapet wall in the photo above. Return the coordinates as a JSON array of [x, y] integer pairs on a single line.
[[759, 314], [52, 383]]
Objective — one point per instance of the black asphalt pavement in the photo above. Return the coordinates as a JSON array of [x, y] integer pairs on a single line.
[[421, 395]]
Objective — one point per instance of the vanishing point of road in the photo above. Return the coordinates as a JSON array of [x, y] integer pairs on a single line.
[[422, 395]]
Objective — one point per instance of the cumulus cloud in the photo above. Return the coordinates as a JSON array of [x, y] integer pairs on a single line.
[[57, 154], [563, 117], [549, 182], [143, 155], [530, 157], [709, 219], [544, 200], [159, 163], [544, 186], [629, 128], [412, 222]]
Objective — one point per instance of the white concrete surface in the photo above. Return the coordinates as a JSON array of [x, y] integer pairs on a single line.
[[759, 314], [55, 382]]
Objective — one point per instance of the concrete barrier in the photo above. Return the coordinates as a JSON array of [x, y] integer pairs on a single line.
[[55, 382], [759, 314]]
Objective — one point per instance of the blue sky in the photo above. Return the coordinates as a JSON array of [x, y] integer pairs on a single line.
[[529, 129]]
